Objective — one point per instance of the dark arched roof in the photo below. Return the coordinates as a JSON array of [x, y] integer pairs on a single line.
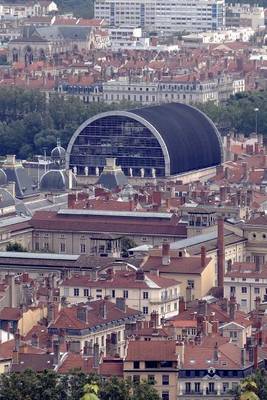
[[3, 178], [192, 140], [53, 181]]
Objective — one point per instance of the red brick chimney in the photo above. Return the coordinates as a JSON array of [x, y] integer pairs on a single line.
[[220, 255], [203, 256], [166, 254], [182, 305]]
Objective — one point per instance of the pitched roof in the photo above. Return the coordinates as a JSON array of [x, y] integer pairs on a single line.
[[10, 314], [68, 319], [154, 350], [178, 265]]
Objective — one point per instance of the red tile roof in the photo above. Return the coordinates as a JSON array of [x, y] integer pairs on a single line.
[[154, 350], [10, 314], [178, 265]]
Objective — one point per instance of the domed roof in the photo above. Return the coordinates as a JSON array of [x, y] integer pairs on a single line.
[[6, 199], [3, 178], [53, 181], [58, 153]]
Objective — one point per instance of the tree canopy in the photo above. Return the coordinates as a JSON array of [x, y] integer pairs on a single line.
[[49, 385]]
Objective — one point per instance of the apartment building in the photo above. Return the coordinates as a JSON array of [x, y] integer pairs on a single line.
[[188, 92], [100, 323], [247, 282], [155, 361], [163, 16], [247, 15], [27, 9], [146, 293]]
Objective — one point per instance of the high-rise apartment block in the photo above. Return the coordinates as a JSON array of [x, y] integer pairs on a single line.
[[166, 16]]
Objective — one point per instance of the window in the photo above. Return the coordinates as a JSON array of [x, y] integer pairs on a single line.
[[46, 245], [136, 364], [62, 247], [191, 284], [113, 293], [86, 292], [187, 387], [102, 341], [37, 246], [197, 387], [165, 395], [165, 379], [243, 303], [82, 248], [233, 334], [119, 336], [225, 387], [145, 310], [175, 306], [125, 294], [136, 379], [151, 379], [244, 289], [257, 290], [232, 290], [145, 295], [76, 291]]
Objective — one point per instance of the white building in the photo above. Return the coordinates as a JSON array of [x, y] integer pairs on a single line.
[[216, 90], [27, 9], [221, 36], [246, 282], [244, 15], [143, 292], [166, 16]]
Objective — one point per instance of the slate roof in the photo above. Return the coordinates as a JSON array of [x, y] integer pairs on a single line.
[[192, 140], [6, 199], [52, 33]]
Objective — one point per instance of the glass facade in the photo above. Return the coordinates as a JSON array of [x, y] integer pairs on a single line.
[[131, 143]]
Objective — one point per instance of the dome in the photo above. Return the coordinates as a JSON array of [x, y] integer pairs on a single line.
[[57, 180], [6, 199], [53, 181], [58, 153], [3, 178], [157, 141]]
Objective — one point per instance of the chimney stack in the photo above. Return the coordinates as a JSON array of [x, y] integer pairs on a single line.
[[154, 319], [103, 309], [203, 256], [120, 303], [96, 356], [232, 308], [182, 305], [216, 353], [56, 352], [166, 254], [220, 255]]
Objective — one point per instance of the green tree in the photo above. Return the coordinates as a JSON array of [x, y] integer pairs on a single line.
[[16, 247]]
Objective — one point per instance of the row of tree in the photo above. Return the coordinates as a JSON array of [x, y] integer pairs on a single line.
[[29, 123], [49, 385]]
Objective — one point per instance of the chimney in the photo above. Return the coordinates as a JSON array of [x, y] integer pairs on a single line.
[[188, 294], [154, 319], [216, 353], [56, 352], [35, 340], [103, 309], [139, 275], [50, 312], [257, 303], [219, 171], [243, 357], [182, 305], [120, 303], [232, 308], [220, 255], [12, 290], [245, 170], [222, 194], [203, 256], [166, 254], [202, 307], [96, 356], [17, 340], [226, 172], [257, 150], [255, 355], [82, 313], [180, 352], [215, 327]]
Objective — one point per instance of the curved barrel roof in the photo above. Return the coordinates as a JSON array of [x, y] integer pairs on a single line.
[[192, 140]]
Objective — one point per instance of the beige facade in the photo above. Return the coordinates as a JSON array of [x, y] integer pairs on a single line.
[[164, 301], [236, 333], [30, 318], [156, 375]]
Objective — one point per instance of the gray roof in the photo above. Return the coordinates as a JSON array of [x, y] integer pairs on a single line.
[[58, 153], [52, 33], [127, 214], [25, 185], [3, 177], [112, 179], [53, 181], [192, 140], [6, 199]]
